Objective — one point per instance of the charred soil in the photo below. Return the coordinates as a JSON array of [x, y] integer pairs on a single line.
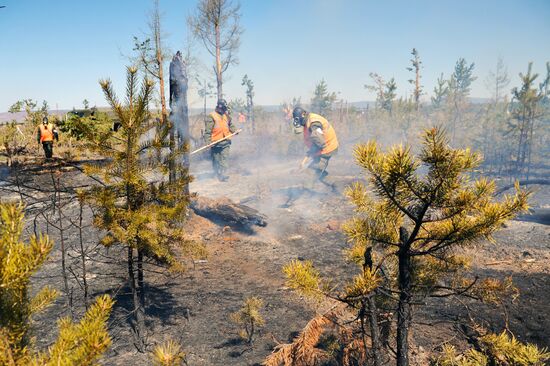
[[194, 307]]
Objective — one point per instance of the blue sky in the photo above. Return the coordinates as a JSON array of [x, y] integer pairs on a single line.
[[58, 50]]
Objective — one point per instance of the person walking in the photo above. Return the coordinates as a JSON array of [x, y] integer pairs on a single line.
[[45, 135], [217, 126]]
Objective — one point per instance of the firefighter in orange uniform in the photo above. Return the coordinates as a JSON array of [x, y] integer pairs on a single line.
[[242, 117], [321, 141], [217, 126], [46, 134]]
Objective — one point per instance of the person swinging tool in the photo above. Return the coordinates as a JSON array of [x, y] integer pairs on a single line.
[[321, 141], [45, 135], [218, 125]]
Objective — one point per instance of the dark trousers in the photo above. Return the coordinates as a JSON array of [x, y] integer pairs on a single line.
[[318, 167], [48, 149], [220, 155]]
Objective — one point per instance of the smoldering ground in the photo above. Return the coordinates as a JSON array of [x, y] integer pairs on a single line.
[[265, 174], [193, 307]]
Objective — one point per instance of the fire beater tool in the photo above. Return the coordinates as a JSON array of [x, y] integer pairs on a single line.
[[215, 142]]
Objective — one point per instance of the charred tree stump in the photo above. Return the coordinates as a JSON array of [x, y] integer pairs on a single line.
[[179, 115]]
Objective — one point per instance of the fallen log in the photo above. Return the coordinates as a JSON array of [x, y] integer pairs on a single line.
[[228, 211]]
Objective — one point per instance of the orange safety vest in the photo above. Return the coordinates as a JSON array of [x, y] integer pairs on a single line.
[[46, 132], [221, 126], [242, 118], [331, 141]]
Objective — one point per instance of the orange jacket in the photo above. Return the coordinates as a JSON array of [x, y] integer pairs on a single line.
[[46, 132], [221, 126], [331, 141]]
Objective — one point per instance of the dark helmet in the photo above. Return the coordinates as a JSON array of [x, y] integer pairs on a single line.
[[45, 120], [299, 116], [221, 105]]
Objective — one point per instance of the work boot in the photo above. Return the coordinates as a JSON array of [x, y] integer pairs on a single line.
[[331, 184], [334, 188]]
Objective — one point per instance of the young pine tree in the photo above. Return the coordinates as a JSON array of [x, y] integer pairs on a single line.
[[389, 95], [13, 141], [459, 87], [77, 344], [133, 210], [249, 318], [322, 99], [496, 150], [526, 110], [378, 87], [416, 65], [408, 228], [169, 353], [34, 114], [385, 91], [421, 219], [249, 101], [493, 350], [441, 91]]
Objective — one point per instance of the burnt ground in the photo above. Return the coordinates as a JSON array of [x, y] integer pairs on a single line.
[[194, 307]]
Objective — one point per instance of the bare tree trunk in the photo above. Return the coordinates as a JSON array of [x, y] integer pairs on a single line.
[[530, 144], [172, 147], [161, 86], [82, 255], [373, 315], [184, 128], [455, 118], [362, 316], [404, 307], [139, 322], [374, 331], [140, 282], [164, 112], [218, 63], [417, 88], [251, 113], [178, 103], [521, 142]]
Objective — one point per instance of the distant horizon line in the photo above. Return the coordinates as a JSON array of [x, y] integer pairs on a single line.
[[475, 100]]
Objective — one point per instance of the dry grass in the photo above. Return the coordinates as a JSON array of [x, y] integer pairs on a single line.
[[302, 351]]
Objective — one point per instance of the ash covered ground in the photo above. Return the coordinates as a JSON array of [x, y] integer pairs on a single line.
[[193, 308]]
